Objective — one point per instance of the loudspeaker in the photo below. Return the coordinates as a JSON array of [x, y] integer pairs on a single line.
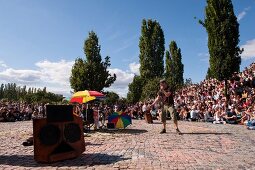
[[58, 137], [110, 126], [59, 113]]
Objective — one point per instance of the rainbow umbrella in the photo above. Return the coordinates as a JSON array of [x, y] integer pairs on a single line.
[[86, 96], [120, 119]]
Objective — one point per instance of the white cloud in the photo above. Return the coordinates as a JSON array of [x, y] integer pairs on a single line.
[[56, 72], [120, 86], [55, 77], [2, 64], [20, 76], [121, 91], [134, 68], [127, 43], [114, 35], [242, 14], [249, 49], [204, 57]]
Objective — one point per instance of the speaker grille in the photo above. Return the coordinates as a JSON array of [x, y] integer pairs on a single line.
[[49, 135], [72, 132]]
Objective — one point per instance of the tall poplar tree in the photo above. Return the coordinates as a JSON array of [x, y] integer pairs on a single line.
[[174, 66], [223, 38], [152, 48], [92, 73]]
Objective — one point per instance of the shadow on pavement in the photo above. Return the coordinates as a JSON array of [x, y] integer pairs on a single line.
[[84, 160], [124, 131], [206, 133]]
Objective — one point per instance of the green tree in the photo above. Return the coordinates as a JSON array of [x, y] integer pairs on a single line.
[[11, 91], [111, 98], [150, 89], [223, 38], [135, 89], [78, 75], [2, 91], [23, 93], [188, 82], [174, 66], [152, 48], [169, 74], [92, 73]]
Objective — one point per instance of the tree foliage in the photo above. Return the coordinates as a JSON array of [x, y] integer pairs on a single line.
[[111, 98], [13, 92], [152, 48], [174, 66], [150, 89], [223, 38], [135, 89], [92, 73]]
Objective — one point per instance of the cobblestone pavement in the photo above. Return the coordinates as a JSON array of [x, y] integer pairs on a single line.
[[140, 146]]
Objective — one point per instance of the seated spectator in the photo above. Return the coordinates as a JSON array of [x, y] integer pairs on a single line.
[[243, 116], [208, 115], [16, 113], [251, 124], [184, 113], [35, 114], [153, 112], [230, 117], [194, 113], [218, 116], [201, 113]]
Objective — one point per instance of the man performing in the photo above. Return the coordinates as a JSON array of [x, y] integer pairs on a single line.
[[165, 95]]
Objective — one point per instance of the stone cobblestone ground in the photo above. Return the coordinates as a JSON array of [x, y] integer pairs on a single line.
[[140, 146]]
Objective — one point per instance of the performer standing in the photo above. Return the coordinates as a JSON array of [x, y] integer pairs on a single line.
[[166, 95]]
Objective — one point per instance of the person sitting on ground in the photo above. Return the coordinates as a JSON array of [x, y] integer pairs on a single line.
[[218, 116], [184, 113], [242, 116], [194, 113], [35, 114], [251, 122], [230, 117], [208, 115], [153, 112]]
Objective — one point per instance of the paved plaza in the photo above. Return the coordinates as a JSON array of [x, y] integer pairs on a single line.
[[140, 146]]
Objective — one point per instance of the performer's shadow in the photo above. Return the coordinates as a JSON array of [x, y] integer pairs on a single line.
[[206, 133]]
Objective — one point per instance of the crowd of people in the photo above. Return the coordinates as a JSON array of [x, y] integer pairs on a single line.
[[208, 101], [19, 111], [214, 101]]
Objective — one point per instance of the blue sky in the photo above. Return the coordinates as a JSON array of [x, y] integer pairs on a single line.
[[39, 40]]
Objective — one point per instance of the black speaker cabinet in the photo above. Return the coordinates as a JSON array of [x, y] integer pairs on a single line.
[[110, 126], [59, 136]]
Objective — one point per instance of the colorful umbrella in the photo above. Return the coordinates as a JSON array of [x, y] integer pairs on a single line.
[[86, 96], [120, 119]]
